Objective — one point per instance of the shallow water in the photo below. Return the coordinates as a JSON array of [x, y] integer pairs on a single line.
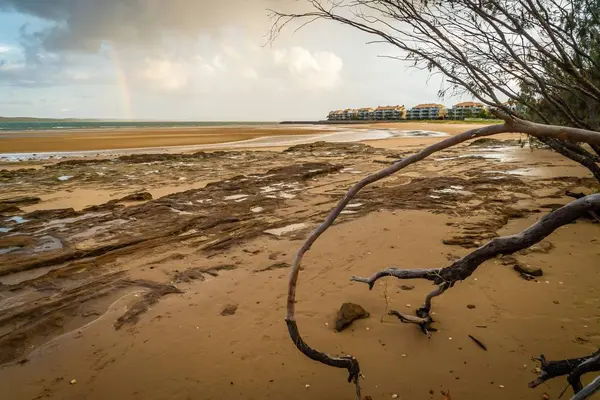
[[286, 229], [17, 219], [337, 135]]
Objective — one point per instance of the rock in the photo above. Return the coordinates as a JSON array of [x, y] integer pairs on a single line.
[[17, 241], [21, 200], [407, 287], [348, 313], [527, 277], [9, 208], [275, 266], [508, 260], [529, 270], [59, 213], [541, 247], [140, 196], [90, 313], [467, 243], [470, 306], [188, 275], [229, 309]]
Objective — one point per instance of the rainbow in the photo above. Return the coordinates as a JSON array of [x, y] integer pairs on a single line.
[[121, 81]]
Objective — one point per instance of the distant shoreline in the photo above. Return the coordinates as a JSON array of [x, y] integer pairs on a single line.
[[394, 121]]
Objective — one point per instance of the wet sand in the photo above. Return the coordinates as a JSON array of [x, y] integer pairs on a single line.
[[199, 138], [131, 302], [105, 139]]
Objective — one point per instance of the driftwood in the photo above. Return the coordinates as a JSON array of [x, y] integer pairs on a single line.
[[461, 269], [574, 368]]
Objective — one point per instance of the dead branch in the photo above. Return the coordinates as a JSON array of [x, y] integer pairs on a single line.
[[574, 368], [461, 269], [588, 391], [505, 245]]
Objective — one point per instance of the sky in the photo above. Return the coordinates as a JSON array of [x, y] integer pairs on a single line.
[[191, 60]]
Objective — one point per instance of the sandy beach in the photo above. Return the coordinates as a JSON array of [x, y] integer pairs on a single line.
[[127, 138], [162, 275]]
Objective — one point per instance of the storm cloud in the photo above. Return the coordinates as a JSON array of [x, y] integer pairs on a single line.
[[84, 25]]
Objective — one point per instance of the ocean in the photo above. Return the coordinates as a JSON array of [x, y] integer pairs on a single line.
[[81, 124]]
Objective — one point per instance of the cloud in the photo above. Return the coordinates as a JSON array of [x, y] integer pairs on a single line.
[[167, 74], [234, 67], [5, 48], [77, 75], [83, 25], [320, 70]]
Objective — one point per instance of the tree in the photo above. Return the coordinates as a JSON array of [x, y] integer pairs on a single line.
[[542, 55], [483, 114], [491, 50]]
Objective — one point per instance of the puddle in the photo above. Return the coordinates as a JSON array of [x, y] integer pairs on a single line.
[[257, 209], [64, 177], [5, 230], [49, 243], [236, 197], [7, 250], [454, 190], [60, 223], [181, 212], [348, 212], [520, 172], [354, 205], [49, 349], [287, 195], [350, 171], [98, 229], [286, 229], [18, 220], [268, 189]]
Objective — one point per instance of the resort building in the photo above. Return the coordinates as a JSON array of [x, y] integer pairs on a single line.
[[368, 114], [335, 115], [467, 109], [390, 113], [427, 111]]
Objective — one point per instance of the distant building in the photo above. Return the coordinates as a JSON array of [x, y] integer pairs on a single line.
[[381, 113], [390, 113], [427, 111], [335, 115], [467, 109], [350, 114], [366, 113]]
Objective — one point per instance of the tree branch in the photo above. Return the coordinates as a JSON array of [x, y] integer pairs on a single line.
[[464, 267]]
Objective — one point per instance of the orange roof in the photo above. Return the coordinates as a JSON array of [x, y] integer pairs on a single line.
[[365, 109], [469, 104], [390, 107], [428, 105]]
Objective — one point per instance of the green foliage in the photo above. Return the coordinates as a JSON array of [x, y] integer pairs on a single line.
[[569, 104]]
